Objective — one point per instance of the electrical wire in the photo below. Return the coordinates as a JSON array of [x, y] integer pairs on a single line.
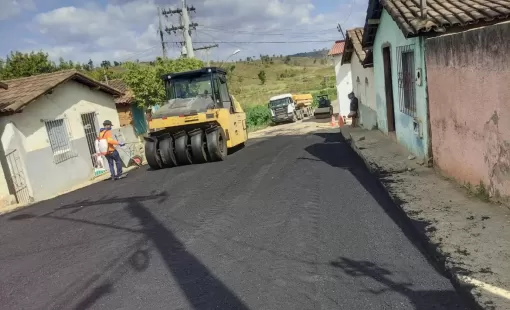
[[262, 42], [233, 45], [267, 32], [136, 54]]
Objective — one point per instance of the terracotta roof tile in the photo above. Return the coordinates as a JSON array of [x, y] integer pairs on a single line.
[[337, 49], [442, 14], [127, 96], [23, 91], [353, 44]]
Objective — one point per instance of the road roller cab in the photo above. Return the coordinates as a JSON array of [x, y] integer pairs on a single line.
[[198, 122]]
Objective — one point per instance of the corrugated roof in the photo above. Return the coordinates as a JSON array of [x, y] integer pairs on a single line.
[[23, 91], [128, 95], [337, 49], [443, 14], [353, 44]]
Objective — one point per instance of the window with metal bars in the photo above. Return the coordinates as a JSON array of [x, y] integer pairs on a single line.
[[406, 81], [59, 135]]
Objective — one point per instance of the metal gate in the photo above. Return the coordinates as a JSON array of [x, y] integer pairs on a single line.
[[89, 121], [21, 190]]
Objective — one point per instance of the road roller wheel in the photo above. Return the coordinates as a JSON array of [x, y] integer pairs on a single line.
[[198, 152], [217, 145], [182, 153], [166, 151], [152, 156]]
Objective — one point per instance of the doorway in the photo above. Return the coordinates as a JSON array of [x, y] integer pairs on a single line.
[[388, 87], [89, 121]]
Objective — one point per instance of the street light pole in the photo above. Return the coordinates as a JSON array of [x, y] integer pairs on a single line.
[[234, 53]]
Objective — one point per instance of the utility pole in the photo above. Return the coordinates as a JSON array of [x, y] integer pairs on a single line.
[[160, 30], [207, 51], [185, 26], [339, 27]]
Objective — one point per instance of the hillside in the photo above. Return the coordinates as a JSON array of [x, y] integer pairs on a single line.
[[314, 54], [283, 75]]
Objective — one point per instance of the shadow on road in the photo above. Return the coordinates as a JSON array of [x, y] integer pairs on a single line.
[[201, 288], [337, 152], [421, 299]]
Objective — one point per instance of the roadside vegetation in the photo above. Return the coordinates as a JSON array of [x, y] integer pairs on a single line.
[[252, 81]]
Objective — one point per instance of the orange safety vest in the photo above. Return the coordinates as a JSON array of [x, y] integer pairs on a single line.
[[107, 134]]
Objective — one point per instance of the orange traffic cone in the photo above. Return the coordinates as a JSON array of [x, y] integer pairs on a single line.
[[340, 120], [333, 122]]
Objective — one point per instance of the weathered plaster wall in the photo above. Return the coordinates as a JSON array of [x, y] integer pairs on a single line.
[[469, 76], [363, 87], [343, 84], [388, 34], [27, 133]]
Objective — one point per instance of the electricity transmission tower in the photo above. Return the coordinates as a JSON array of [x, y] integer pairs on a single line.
[[186, 26]]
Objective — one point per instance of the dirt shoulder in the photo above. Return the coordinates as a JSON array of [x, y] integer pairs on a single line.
[[470, 236]]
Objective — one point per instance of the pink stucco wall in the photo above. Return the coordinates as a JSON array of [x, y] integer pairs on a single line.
[[468, 78]]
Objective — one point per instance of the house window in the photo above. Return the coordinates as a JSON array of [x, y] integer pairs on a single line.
[[406, 82], [60, 139]]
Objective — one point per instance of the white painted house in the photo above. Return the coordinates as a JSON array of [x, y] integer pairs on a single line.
[[343, 77], [362, 78], [48, 124]]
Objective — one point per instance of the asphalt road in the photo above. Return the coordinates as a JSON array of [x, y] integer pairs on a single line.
[[289, 222]]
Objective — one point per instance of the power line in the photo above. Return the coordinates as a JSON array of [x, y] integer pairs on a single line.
[[267, 32], [233, 45], [138, 53], [264, 42]]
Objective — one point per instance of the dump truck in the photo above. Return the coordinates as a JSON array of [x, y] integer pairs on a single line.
[[199, 122], [290, 107], [324, 109]]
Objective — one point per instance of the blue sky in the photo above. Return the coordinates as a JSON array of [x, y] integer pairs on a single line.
[[127, 29]]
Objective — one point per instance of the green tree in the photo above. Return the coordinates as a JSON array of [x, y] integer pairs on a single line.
[[65, 65], [18, 64], [286, 60], [145, 81], [262, 77], [106, 64]]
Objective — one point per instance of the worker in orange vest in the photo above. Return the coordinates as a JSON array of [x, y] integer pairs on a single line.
[[112, 155]]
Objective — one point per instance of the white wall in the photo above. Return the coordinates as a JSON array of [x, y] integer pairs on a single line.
[[27, 133], [364, 91], [343, 84], [69, 100], [363, 87]]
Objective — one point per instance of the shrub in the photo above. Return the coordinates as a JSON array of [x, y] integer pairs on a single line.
[[257, 116]]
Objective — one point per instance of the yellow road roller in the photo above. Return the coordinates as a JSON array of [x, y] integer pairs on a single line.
[[198, 123]]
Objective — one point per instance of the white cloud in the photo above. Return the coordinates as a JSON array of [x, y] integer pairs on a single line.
[[127, 30], [11, 8]]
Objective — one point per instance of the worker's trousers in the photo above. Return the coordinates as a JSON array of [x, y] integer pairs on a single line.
[[114, 160]]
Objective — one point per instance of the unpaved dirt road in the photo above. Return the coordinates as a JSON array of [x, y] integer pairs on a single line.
[[292, 221]]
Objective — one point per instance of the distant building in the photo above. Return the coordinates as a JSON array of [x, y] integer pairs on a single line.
[[362, 78], [343, 77]]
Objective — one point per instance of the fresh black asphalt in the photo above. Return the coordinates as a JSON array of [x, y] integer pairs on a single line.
[[289, 222]]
